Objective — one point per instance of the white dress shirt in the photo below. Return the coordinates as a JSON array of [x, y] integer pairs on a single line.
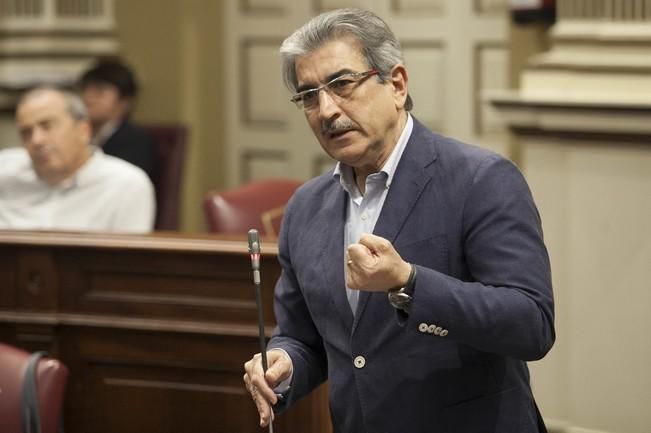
[[363, 210], [105, 194]]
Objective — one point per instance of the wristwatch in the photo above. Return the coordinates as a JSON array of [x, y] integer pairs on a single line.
[[401, 297]]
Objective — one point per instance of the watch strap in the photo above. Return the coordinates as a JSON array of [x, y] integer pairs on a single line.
[[400, 297]]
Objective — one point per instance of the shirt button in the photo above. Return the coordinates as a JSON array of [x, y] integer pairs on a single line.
[[364, 216], [431, 329], [359, 361], [422, 327], [444, 333]]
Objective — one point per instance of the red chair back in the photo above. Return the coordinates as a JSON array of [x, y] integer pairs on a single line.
[[51, 378], [257, 205], [170, 142]]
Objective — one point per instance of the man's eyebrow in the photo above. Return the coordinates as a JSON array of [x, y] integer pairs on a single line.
[[329, 78]]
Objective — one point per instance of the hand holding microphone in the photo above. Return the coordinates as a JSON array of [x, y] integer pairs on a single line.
[[260, 384], [257, 372]]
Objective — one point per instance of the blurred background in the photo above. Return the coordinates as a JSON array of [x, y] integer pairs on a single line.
[[563, 88]]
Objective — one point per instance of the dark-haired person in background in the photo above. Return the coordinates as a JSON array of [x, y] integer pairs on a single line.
[[109, 89]]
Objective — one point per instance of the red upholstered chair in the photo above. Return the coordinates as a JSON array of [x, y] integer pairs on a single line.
[[256, 205], [51, 378], [169, 159]]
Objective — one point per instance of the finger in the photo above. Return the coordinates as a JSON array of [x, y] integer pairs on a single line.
[[359, 255], [267, 416], [374, 243], [255, 376], [351, 281], [263, 406], [280, 367]]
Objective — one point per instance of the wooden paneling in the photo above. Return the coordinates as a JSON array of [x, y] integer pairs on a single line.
[[491, 6], [263, 100], [491, 61], [427, 88], [418, 6], [154, 329], [261, 164], [439, 39]]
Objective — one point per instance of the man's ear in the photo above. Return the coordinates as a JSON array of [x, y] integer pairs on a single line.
[[85, 130], [399, 81]]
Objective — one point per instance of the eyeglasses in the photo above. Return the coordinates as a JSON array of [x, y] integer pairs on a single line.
[[342, 87]]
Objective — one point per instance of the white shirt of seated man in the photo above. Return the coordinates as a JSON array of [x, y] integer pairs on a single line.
[[58, 181]]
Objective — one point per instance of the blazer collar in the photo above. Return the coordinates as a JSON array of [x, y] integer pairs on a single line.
[[408, 183], [410, 179], [333, 216]]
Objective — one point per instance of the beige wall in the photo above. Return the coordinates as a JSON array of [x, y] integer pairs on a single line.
[[592, 191], [593, 199], [176, 48], [525, 41]]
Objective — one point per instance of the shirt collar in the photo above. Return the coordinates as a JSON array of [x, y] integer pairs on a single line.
[[83, 175], [105, 132], [344, 173]]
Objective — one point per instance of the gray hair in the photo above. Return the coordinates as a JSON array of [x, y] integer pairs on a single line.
[[380, 47], [74, 104]]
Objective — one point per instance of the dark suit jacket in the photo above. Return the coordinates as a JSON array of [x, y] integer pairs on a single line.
[[133, 144], [466, 218]]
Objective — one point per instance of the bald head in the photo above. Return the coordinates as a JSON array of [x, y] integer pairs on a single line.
[[73, 103]]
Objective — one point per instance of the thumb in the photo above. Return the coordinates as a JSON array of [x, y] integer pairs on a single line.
[[280, 367], [374, 243]]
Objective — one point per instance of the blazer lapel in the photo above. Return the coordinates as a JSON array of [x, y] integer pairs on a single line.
[[408, 183], [332, 259]]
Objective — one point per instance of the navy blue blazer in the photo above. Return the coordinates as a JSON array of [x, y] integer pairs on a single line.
[[482, 304], [133, 144]]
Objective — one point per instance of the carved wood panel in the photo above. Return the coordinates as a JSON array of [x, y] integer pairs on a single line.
[[154, 330]]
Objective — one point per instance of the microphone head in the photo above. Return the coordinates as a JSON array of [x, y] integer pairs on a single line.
[[254, 242]]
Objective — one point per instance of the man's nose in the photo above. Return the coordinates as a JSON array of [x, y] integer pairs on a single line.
[[328, 107], [37, 137]]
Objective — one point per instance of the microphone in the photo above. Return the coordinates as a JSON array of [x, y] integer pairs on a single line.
[[254, 252]]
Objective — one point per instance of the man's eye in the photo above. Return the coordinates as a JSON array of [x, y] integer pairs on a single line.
[[309, 96], [25, 134], [340, 84]]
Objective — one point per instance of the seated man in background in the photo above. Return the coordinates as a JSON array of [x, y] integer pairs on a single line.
[[109, 89], [57, 180]]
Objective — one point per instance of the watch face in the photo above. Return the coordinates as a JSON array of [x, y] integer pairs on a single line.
[[399, 299]]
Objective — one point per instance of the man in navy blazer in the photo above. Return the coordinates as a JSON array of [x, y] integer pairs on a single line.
[[426, 324]]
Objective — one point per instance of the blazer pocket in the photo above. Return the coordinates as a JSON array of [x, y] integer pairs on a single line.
[[505, 412], [431, 252]]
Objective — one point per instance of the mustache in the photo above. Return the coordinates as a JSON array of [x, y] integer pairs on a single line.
[[332, 126]]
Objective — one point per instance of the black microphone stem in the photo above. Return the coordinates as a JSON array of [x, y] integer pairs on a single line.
[[254, 251], [263, 350]]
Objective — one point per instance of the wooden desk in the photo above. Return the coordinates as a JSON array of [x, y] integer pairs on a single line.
[[155, 329]]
